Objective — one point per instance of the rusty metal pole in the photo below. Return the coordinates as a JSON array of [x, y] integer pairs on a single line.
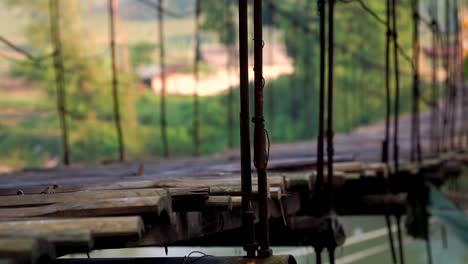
[[162, 66], [260, 145], [330, 132], [321, 118], [445, 50], [434, 86], [415, 124], [229, 68], [115, 93], [456, 75], [59, 72], [385, 143], [248, 214], [396, 150], [196, 106]]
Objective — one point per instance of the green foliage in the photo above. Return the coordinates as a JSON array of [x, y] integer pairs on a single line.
[[142, 53], [290, 105], [219, 18]]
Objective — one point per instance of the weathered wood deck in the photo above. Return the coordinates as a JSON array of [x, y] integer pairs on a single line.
[[49, 213]]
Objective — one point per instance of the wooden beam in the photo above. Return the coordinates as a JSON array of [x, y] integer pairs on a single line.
[[24, 250], [64, 242], [130, 226], [111, 207], [87, 196]]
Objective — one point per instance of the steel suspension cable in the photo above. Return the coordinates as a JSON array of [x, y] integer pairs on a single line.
[[330, 94], [385, 143], [434, 85], [196, 74], [396, 151], [455, 77], [248, 215], [416, 151], [59, 72], [229, 68], [447, 77], [162, 66], [260, 145], [330, 128], [115, 82], [321, 117]]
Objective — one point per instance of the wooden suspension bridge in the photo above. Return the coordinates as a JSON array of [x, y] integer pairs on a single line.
[[285, 195]]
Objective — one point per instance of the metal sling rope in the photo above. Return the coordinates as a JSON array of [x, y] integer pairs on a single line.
[[54, 10], [396, 109], [260, 145], [416, 152], [321, 117], [115, 85], [385, 143], [459, 76], [451, 106], [447, 78], [456, 75], [229, 67], [330, 128], [326, 20], [248, 215], [434, 134], [196, 75], [162, 66], [396, 112]]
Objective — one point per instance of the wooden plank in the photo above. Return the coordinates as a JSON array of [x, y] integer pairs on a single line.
[[69, 188], [129, 226], [86, 196], [111, 207], [25, 250], [64, 242]]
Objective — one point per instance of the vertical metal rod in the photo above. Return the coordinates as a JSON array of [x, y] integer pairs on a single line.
[[115, 85], [330, 132], [397, 88], [59, 72], [260, 146], [428, 246], [229, 66], [456, 75], [162, 66], [318, 255], [385, 143], [388, 222], [331, 255], [321, 118], [415, 124], [400, 239], [248, 215], [447, 78], [196, 106], [434, 85]]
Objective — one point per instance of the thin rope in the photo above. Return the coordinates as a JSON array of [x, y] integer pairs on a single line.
[[54, 10], [115, 79]]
